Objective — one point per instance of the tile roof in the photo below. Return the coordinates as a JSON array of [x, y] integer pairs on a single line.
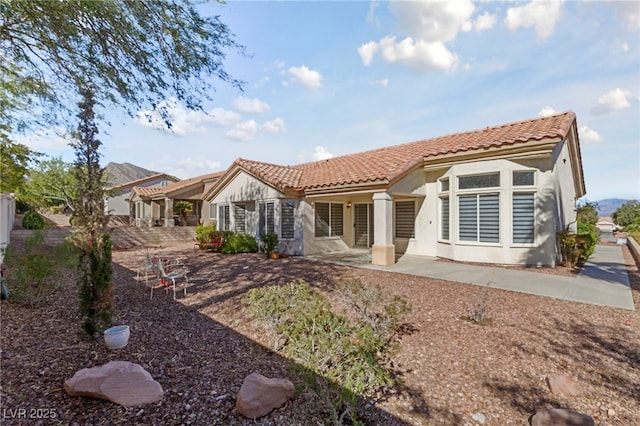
[[164, 190], [143, 180], [385, 164]]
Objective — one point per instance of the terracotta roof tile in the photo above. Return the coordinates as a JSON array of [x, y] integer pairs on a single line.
[[385, 164]]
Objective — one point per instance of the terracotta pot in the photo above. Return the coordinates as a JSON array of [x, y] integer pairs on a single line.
[[274, 255]]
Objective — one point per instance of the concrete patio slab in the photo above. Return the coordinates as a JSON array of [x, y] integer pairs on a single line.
[[602, 281]]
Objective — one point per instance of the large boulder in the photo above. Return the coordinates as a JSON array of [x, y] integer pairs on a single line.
[[259, 395], [560, 417], [563, 385], [122, 382]]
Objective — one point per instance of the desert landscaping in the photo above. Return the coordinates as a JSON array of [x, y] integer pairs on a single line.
[[202, 346]]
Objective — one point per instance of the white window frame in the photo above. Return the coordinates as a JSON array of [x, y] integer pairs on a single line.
[[213, 211], [441, 237], [533, 215], [265, 228], [224, 223]]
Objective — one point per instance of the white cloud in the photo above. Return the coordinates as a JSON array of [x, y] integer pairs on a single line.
[[629, 11], [274, 126], [172, 117], [418, 54], [53, 138], [589, 136], [546, 111], [428, 28], [486, 21], [543, 15], [435, 21], [255, 105], [321, 153], [244, 131], [306, 77], [366, 52], [384, 82], [614, 100]]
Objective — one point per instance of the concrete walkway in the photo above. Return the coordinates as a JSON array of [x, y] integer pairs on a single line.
[[602, 281]]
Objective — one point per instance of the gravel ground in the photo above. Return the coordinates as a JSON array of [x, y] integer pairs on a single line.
[[200, 348]]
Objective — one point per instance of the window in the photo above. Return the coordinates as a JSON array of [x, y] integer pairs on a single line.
[[479, 181], [287, 219], [524, 178], [223, 218], [444, 222], [266, 223], [212, 211], [329, 220], [239, 215], [405, 219], [444, 185], [523, 218], [479, 218]]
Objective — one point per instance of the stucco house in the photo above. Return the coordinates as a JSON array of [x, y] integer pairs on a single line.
[[153, 206], [495, 195], [117, 204]]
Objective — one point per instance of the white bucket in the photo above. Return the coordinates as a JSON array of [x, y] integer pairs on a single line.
[[117, 336]]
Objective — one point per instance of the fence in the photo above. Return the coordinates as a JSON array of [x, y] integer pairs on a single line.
[[122, 237], [7, 215]]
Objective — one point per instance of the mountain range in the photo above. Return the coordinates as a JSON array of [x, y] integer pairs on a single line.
[[121, 173], [607, 206]]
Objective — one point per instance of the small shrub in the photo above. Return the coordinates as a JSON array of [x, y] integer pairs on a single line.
[[239, 243], [479, 311], [206, 233], [34, 273], [338, 358], [32, 220], [269, 242]]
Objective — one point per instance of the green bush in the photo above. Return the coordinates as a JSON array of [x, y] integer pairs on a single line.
[[32, 220], [589, 236], [239, 243], [205, 233], [269, 242], [339, 358]]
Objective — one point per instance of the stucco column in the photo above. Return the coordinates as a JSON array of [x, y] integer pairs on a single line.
[[168, 213], [383, 251]]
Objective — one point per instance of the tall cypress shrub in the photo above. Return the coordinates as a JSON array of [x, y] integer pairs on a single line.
[[89, 221]]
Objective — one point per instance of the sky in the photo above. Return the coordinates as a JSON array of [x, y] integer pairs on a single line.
[[330, 78]]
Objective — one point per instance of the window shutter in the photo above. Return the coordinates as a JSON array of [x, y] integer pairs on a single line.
[[212, 211], [444, 232], [337, 227], [489, 218], [468, 218], [523, 218], [270, 221], [322, 219], [405, 219], [239, 214], [287, 219]]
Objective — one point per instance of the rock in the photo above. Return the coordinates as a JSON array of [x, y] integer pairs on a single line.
[[259, 395], [479, 417], [561, 417], [121, 382], [563, 385]]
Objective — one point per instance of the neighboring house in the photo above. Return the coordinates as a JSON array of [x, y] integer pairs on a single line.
[[606, 224], [117, 204], [495, 195], [154, 206]]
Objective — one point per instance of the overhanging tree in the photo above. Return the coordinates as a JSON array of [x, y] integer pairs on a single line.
[[134, 53], [51, 183]]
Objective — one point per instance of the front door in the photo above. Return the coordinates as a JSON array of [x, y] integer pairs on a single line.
[[363, 225]]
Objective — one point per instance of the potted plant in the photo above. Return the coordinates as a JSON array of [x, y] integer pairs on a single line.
[[181, 208], [269, 244]]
